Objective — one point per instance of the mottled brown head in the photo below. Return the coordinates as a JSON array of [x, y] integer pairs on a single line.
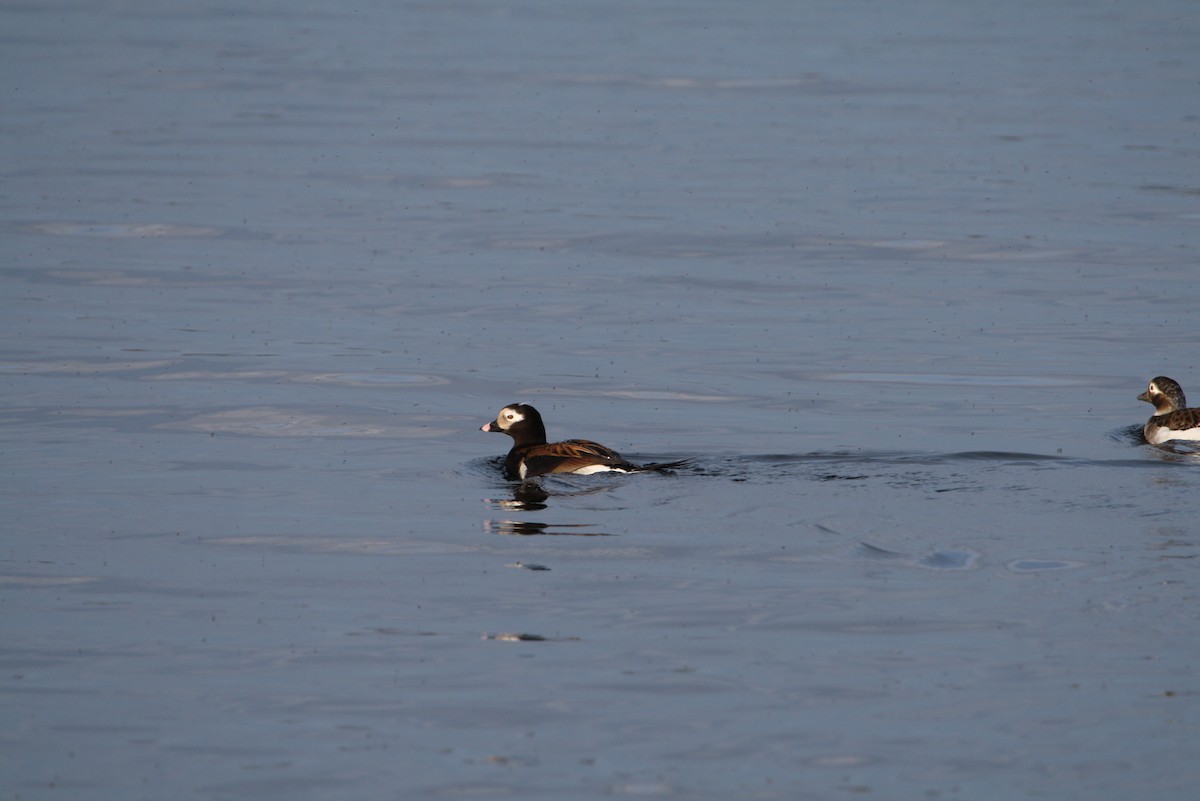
[[1166, 395]]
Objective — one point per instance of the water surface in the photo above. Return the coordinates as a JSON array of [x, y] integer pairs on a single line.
[[890, 276]]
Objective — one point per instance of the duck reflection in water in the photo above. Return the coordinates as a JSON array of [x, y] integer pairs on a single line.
[[531, 496], [527, 528], [527, 496]]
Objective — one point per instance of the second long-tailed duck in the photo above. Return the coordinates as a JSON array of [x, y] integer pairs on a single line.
[[1172, 419], [532, 456]]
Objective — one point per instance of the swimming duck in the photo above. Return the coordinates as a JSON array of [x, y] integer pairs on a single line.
[[1172, 419], [532, 456]]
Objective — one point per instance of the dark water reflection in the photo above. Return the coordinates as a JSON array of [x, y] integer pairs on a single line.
[[527, 528]]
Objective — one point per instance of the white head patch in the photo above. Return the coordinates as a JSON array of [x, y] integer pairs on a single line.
[[508, 417]]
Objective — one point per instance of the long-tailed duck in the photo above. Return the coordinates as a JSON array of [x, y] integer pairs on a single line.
[[532, 456], [1172, 419]]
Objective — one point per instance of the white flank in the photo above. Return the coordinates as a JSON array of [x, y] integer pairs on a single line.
[[597, 468], [1160, 435]]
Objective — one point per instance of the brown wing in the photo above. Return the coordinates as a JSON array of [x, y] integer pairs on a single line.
[[1181, 420], [569, 456]]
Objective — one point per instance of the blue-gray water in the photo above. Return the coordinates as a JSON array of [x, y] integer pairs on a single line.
[[891, 274]]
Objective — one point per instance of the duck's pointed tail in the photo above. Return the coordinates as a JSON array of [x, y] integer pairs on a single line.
[[658, 467]]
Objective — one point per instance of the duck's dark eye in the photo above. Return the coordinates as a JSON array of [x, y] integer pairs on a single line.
[[508, 417]]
